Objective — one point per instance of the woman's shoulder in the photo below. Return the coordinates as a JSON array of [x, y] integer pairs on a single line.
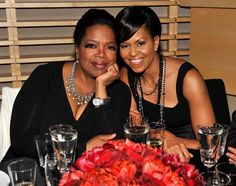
[[175, 64], [44, 74], [49, 67], [46, 71]]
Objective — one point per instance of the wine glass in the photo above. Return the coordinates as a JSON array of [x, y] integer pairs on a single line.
[[60, 126], [224, 139], [44, 146], [155, 136], [212, 178], [136, 131], [64, 141], [210, 144], [229, 169], [53, 165]]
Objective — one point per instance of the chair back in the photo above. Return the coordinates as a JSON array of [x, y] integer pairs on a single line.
[[8, 97], [218, 96]]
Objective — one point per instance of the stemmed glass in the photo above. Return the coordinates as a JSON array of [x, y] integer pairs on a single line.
[[53, 165], [136, 132], [224, 139], [210, 139], [155, 136], [210, 144]]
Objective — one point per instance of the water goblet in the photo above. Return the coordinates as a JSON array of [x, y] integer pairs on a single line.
[[224, 139], [64, 141], [44, 146], [136, 132], [155, 136], [210, 144], [211, 178], [229, 169], [59, 126]]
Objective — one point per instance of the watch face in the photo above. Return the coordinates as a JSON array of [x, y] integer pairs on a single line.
[[96, 101]]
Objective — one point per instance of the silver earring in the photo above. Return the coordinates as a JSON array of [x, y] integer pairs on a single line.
[[77, 61]]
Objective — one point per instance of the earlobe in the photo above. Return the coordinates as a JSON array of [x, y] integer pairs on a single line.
[[156, 43], [77, 53]]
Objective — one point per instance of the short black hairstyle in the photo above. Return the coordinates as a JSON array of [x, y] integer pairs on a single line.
[[130, 19], [90, 18]]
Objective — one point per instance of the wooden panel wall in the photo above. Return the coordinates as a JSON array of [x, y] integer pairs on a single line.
[[33, 32], [213, 44]]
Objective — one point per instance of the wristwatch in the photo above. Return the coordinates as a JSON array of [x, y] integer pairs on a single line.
[[97, 102]]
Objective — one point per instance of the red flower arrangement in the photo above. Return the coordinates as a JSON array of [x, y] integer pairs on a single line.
[[124, 163]]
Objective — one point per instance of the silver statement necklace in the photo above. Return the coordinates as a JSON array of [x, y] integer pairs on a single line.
[[160, 88], [70, 86]]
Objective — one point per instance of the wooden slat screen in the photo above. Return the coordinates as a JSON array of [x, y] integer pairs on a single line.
[[34, 32]]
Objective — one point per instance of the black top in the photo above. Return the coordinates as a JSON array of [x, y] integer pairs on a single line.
[[177, 118], [42, 102]]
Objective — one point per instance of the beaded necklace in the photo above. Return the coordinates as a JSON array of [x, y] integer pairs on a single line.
[[160, 90], [70, 86]]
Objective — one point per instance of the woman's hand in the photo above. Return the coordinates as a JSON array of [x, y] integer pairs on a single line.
[[109, 76], [99, 140], [173, 146], [179, 149], [231, 154], [105, 79]]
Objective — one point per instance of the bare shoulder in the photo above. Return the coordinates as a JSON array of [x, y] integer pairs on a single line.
[[67, 68], [173, 65], [194, 83]]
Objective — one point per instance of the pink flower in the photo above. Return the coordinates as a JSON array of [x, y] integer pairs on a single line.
[[125, 163]]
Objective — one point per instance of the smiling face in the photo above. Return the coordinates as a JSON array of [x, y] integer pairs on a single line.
[[140, 50], [97, 50]]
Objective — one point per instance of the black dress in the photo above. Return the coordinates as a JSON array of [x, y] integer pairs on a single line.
[[42, 102], [177, 119]]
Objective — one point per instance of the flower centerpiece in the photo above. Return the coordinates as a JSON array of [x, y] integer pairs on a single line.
[[124, 163]]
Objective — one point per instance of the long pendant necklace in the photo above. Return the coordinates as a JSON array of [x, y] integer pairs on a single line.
[[161, 90], [72, 91]]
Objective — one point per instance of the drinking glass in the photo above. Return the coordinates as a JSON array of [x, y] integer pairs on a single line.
[[155, 136], [22, 172], [44, 146], [64, 141], [224, 139], [228, 169], [211, 178], [136, 133], [59, 126], [210, 144], [53, 165]]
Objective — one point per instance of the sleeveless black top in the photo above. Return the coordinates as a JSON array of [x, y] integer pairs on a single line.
[[177, 118]]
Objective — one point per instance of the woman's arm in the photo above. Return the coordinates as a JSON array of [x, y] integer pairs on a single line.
[[201, 111], [27, 114], [110, 118]]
